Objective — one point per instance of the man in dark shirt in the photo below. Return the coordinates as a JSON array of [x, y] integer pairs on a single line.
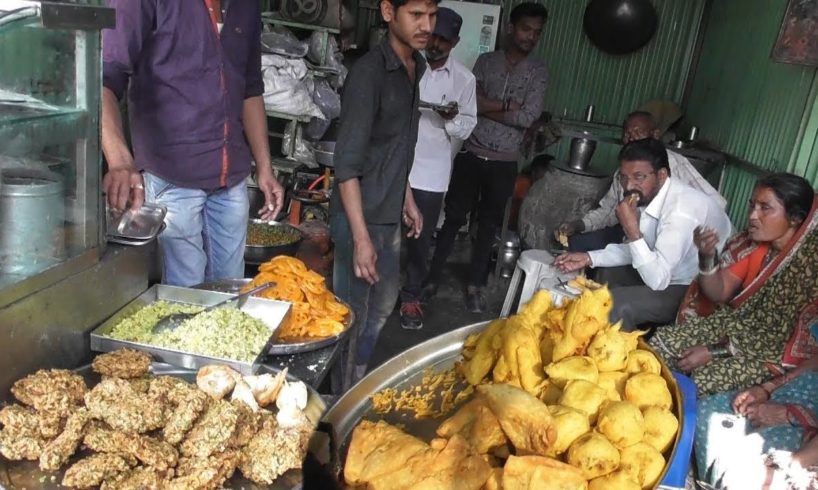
[[192, 73], [373, 156], [511, 87]]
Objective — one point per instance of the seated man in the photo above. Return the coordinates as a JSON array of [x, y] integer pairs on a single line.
[[659, 253], [599, 226]]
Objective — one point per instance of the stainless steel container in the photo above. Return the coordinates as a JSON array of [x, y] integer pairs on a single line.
[[32, 216], [582, 149], [508, 254]]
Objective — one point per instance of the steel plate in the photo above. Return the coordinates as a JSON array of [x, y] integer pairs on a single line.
[[26, 475], [281, 346], [406, 371]]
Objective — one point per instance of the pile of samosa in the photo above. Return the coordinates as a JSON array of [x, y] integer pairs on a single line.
[[564, 401]]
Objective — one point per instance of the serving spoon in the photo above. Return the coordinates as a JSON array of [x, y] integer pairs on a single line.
[[172, 322]]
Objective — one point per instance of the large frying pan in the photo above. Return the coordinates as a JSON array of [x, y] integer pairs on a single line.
[[620, 26]]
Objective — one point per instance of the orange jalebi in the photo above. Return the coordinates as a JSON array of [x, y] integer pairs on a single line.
[[315, 311]]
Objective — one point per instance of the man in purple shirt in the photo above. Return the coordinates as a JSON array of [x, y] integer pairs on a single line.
[[192, 73]]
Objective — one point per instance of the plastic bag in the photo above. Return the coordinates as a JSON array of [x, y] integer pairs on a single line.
[[282, 42], [328, 100], [286, 86], [328, 54], [302, 151]]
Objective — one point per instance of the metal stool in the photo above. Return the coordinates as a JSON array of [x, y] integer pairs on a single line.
[[539, 274]]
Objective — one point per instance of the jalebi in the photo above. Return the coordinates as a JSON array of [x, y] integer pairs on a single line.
[[315, 311]]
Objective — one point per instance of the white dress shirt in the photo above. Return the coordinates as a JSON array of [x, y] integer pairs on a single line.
[[680, 169], [665, 254], [439, 139]]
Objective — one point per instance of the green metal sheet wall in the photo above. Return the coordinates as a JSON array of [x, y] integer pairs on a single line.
[[581, 74], [750, 106]]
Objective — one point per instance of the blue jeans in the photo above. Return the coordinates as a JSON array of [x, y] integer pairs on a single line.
[[205, 234], [372, 304]]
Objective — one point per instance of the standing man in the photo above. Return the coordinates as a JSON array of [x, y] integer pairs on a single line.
[[373, 156], [650, 273], [440, 133], [511, 87], [599, 226], [192, 72]]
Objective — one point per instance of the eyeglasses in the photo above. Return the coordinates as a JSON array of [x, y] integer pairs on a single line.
[[637, 178]]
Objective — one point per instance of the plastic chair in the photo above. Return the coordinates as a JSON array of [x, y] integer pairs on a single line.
[[676, 475], [536, 266]]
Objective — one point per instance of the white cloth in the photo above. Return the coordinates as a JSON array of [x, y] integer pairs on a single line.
[[666, 254], [680, 169], [439, 139]]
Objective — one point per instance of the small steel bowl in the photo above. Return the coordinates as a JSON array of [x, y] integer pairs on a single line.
[[258, 254]]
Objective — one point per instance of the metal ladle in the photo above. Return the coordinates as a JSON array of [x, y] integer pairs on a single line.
[[172, 322]]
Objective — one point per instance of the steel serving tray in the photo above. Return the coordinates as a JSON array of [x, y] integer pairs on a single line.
[[282, 346], [139, 224], [405, 371], [271, 312], [27, 475]]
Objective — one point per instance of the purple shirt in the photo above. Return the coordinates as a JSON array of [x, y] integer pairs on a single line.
[[186, 86]]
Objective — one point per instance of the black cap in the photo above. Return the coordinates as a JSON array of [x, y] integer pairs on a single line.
[[448, 24]]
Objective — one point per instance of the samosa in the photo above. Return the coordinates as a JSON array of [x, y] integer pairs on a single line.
[[526, 420]]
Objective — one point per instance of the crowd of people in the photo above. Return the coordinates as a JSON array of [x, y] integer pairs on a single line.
[[738, 312]]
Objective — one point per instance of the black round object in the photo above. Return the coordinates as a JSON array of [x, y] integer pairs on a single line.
[[305, 11], [620, 26]]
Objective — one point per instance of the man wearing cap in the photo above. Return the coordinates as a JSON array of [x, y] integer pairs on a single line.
[[446, 82], [511, 85]]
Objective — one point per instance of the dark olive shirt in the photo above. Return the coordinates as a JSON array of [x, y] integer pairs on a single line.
[[377, 132]]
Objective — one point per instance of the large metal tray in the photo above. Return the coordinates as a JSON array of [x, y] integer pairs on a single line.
[[271, 312], [26, 475], [405, 371], [282, 347]]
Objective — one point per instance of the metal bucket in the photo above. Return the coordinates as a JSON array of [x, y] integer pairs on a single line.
[[32, 216]]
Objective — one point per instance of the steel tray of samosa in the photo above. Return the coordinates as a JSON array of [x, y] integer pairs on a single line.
[[406, 371]]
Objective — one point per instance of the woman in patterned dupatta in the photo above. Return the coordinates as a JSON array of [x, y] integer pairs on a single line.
[[762, 437], [769, 287]]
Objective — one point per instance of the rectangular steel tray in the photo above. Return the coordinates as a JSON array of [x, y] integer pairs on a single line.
[[271, 312], [135, 224]]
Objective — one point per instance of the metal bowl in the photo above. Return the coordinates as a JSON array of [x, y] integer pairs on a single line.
[[256, 254]]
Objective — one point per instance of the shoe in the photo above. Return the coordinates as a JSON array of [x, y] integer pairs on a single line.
[[475, 302], [411, 315], [429, 291]]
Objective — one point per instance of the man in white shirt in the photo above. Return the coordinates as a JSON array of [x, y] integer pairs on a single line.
[[449, 83], [599, 226], [659, 252]]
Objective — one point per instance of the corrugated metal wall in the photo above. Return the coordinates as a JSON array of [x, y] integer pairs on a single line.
[[581, 74], [747, 104]]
